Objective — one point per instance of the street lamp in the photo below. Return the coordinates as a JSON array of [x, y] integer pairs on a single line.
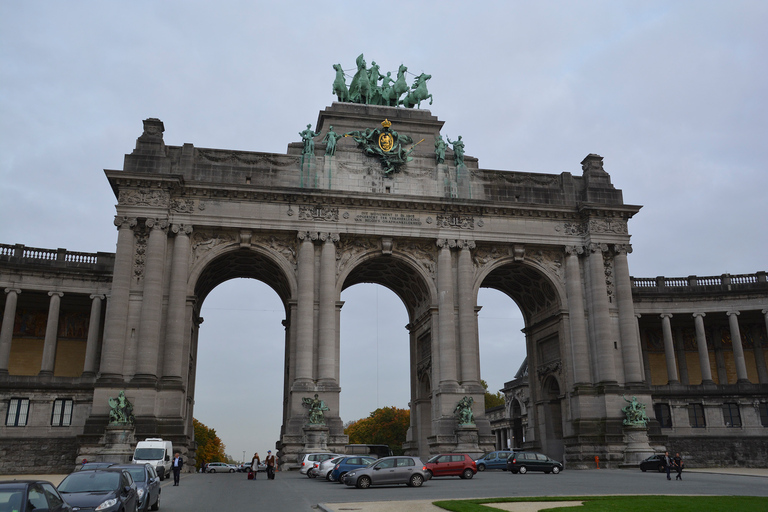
[[243, 456]]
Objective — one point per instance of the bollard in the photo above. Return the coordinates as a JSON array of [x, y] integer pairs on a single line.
[[597, 461]]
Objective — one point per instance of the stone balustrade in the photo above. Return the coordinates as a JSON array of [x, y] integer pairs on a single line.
[[34, 256]]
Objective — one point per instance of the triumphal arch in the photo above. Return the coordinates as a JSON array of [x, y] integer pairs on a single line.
[[375, 193]]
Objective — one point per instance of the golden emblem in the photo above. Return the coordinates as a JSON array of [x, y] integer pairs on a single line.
[[386, 142]]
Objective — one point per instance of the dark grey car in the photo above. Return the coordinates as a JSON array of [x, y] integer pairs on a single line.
[[389, 471], [147, 485], [106, 490]]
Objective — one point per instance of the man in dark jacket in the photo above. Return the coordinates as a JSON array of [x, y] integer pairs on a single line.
[[176, 466], [678, 461], [667, 464]]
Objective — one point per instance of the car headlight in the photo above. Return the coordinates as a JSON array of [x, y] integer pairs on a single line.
[[141, 493], [107, 504]]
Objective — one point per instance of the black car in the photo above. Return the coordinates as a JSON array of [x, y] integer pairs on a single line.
[[522, 462], [27, 495], [108, 490], [94, 465], [147, 485], [654, 463]]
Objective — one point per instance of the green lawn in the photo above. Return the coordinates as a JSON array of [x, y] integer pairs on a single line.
[[626, 503]]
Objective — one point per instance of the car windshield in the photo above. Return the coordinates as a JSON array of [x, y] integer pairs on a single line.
[[101, 481], [149, 453]]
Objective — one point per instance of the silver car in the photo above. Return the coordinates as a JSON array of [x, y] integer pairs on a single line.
[[309, 459], [389, 471], [322, 469]]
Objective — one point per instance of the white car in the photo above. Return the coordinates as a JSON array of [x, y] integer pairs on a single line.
[[323, 468], [310, 458], [219, 467]]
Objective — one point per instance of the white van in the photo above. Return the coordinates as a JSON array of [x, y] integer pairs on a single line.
[[156, 452]]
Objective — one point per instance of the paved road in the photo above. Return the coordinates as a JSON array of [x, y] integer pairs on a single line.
[[293, 492]]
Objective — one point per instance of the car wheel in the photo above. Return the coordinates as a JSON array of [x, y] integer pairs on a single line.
[[211, 470], [481, 467], [523, 470], [363, 482], [156, 506], [341, 477], [468, 473], [416, 481], [555, 470], [328, 477], [310, 474], [642, 469], [231, 470]]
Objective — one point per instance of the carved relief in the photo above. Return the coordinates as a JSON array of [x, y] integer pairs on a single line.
[[608, 226], [555, 367], [483, 255], [455, 221], [351, 248], [283, 244], [204, 241], [182, 205], [552, 260], [144, 197], [423, 253], [609, 278], [322, 213], [140, 254], [572, 228], [213, 155]]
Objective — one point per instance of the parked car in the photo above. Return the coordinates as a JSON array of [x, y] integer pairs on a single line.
[[389, 471], [452, 464], [105, 490], [219, 467], [654, 463], [322, 469], [493, 460], [522, 462], [94, 465], [28, 495], [347, 464], [246, 467], [147, 485], [309, 458]]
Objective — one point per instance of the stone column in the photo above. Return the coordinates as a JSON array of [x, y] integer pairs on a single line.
[[446, 311], [578, 325], [602, 321], [176, 327], [762, 371], [305, 310], [682, 364], [152, 302], [51, 334], [669, 349], [627, 323], [6, 333], [738, 350], [701, 342], [115, 323], [327, 311], [640, 351], [92, 343], [468, 342]]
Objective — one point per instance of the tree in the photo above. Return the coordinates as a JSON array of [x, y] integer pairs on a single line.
[[492, 400], [387, 425], [209, 446]]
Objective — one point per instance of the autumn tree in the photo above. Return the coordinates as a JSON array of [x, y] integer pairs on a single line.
[[492, 400], [387, 425], [209, 446]]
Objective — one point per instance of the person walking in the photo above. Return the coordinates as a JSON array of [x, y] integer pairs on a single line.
[[667, 464], [177, 464], [270, 461], [678, 461], [255, 461]]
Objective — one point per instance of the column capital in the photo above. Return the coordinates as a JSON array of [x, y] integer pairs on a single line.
[[13, 290], [329, 237], [622, 248], [153, 223], [60, 294], [665, 315], [97, 296], [125, 222], [574, 250], [594, 247], [466, 244], [445, 243], [702, 315], [731, 313], [307, 236], [181, 229]]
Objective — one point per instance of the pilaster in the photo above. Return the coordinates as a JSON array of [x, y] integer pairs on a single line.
[[601, 321], [175, 330]]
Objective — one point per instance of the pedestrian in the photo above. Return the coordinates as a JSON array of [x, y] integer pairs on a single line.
[[177, 464], [270, 460], [255, 461], [667, 464], [678, 466]]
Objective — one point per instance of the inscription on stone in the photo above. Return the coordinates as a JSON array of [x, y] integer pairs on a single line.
[[402, 219]]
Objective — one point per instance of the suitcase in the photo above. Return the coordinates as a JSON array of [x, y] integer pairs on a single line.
[[250, 475]]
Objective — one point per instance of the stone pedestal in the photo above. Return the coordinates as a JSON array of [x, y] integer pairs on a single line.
[[467, 440], [637, 446], [316, 438], [116, 445]]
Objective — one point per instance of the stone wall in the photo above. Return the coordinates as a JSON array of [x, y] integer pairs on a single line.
[[710, 451], [39, 456]]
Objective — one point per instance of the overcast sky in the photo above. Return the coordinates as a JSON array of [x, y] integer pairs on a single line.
[[674, 96]]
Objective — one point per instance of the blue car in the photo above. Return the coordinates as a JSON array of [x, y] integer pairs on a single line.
[[347, 464], [493, 460]]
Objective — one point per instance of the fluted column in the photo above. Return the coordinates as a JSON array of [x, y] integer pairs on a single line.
[[682, 364], [152, 302], [762, 371], [6, 333], [602, 321], [669, 349], [115, 323], [470, 364], [446, 310], [305, 307], [578, 325], [92, 343], [175, 330], [701, 343], [327, 310], [738, 350], [629, 340], [51, 334]]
